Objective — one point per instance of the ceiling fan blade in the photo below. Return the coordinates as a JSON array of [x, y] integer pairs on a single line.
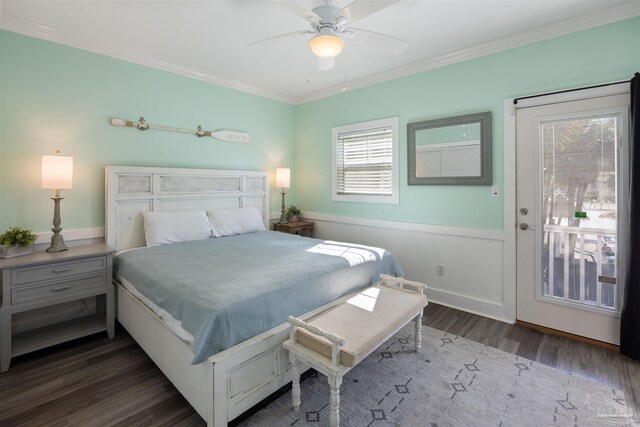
[[279, 38], [306, 14], [362, 8], [384, 42]]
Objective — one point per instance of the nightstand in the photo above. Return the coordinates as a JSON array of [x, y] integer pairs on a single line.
[[44, 279], [303, 228]]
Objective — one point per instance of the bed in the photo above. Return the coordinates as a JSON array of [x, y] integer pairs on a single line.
[[231, 357]]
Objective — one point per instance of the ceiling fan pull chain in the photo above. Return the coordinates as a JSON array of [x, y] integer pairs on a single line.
[[344, 75]]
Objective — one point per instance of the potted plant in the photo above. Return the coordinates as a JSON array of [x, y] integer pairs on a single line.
[[16, 241], [292, 214]]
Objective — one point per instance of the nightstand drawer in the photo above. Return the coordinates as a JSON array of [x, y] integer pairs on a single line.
[[301, 228], [58, 289], [20, 276]]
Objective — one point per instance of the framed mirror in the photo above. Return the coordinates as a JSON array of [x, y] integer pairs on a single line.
[[453, 150]]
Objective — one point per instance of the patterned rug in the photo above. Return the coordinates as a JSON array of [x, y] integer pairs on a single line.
[[453, 381]]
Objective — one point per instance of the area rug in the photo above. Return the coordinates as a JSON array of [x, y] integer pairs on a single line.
[[452, 381]]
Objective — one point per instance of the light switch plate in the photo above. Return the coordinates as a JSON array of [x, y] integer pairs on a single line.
[[495, 191]]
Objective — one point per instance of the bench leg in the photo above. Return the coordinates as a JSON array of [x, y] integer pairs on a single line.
[[418, 339], [295, 384], [334, 382]]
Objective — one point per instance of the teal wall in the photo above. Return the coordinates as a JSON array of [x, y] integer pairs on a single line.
[[54, 96], [603, 54]]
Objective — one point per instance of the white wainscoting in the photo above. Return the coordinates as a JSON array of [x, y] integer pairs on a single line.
[[72, 237], [474, 279], [472, 259]]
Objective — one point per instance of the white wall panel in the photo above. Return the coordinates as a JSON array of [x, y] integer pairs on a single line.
[[473, 279]]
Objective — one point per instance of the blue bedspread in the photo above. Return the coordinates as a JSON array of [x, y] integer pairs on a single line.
[[229, 289]]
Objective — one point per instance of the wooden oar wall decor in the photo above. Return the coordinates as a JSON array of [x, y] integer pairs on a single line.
[[222, 135]]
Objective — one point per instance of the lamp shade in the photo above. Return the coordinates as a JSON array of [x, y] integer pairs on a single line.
[[326, 45], [283, 177], [57, 172]]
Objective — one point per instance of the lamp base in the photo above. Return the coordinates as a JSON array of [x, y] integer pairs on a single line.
[[57, 242], [283, 216]]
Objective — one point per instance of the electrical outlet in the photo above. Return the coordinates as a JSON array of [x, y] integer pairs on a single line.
[[440, 269]]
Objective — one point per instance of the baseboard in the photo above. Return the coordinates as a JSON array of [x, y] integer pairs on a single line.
[[564, 334]]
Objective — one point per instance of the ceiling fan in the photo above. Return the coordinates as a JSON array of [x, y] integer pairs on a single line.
[[330, 26]]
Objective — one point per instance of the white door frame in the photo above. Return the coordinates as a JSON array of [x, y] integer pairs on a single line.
[[509, 191]]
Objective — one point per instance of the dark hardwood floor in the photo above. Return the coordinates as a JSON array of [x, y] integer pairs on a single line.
[[97, 381]]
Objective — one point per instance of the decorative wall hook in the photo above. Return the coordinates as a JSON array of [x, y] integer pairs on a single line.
[[141, 124]]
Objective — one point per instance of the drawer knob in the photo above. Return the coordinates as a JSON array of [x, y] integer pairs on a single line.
[[61, 269], [60, 288]]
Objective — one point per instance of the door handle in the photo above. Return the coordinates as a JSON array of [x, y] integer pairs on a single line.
[[525, 227]]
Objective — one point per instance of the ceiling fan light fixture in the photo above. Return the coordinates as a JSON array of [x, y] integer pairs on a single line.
[[326, 45]]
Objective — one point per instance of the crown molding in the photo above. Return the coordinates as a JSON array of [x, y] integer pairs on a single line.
[[28, 28], [526, 37]]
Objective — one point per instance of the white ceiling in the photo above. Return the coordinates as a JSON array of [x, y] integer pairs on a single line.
[[207, 39]]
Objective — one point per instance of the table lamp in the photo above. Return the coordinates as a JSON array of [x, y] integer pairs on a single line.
[[283, 180], [57, 174]]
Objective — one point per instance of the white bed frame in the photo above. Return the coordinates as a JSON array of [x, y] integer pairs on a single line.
[[236, 379]]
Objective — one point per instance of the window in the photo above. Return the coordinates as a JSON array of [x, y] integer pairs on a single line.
[[365, 162]]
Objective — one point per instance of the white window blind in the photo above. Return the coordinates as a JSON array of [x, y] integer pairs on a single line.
[[364, 162]]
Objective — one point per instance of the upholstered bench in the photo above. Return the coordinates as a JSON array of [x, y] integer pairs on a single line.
[[338, 339]]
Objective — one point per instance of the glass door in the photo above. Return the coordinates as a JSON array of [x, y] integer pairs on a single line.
[[571, 186], [579, 210]]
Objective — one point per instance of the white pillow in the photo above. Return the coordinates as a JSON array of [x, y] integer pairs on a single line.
[[161, 228], [229, 221]]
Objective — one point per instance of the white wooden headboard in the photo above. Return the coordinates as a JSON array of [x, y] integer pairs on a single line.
[[131, 190]]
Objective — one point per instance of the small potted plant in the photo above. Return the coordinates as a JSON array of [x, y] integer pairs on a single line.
[[16, 241], [292, 214]]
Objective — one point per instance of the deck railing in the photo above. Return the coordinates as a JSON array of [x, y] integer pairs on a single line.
[[581, 251]]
